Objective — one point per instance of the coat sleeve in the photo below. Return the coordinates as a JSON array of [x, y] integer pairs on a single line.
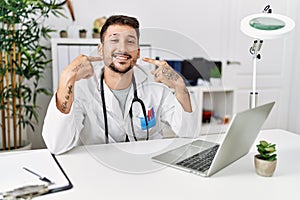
[[184, 124], [61, 131]]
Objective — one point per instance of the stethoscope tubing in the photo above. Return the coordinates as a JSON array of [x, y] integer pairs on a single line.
[[135, 99]]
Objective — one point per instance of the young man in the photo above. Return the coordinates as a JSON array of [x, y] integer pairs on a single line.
[[117, 103]]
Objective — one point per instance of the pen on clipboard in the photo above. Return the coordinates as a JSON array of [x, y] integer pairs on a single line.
[[42, 178]]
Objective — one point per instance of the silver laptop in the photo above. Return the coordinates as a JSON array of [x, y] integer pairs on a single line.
[[206, 158]]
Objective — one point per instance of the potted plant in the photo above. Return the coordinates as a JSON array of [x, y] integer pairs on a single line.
[[82, 33], [265, 162], [96, 33], [63, 34], [98, 23], [22, 63]]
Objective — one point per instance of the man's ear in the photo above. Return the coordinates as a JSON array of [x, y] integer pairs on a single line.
[[139, 53], [100, 49]]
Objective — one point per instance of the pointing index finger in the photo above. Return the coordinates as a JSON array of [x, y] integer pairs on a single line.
[[94, 59], [152, 61]]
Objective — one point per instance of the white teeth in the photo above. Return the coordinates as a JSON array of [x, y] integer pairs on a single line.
[[121, 57]]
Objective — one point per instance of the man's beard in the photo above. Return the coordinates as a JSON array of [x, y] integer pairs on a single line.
[[112, 66]]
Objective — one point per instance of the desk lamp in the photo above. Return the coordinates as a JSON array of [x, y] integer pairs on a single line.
[[263, 26]]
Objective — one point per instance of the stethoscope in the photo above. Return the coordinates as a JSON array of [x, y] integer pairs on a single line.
[[135, 99]]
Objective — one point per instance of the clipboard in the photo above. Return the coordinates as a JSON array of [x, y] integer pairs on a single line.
[[41, 161]]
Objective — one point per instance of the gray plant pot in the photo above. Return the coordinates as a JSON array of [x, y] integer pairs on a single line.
[[264, 167]]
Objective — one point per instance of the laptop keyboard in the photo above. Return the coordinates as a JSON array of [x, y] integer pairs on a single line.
[[200, 161]]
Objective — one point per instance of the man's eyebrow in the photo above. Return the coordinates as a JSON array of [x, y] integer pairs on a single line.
[[117, 34], [132, 36], [114, 34]]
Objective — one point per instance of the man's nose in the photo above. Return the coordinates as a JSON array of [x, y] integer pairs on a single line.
[[122, 46]]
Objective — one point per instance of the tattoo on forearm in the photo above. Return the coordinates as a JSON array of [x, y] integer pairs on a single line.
[[185, 91], [170, 74], [67, 97], [70, 89], [64, 106]]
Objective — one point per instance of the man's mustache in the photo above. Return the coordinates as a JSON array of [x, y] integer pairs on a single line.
[[114, 55]]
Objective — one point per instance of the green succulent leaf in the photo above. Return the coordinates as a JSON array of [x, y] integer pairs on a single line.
[[263, 143], [266, 150]]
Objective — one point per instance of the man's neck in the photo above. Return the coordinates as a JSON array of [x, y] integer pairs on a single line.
[[117, 81]]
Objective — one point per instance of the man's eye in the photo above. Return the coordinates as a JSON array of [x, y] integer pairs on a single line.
[[131, 42], [114, 40]]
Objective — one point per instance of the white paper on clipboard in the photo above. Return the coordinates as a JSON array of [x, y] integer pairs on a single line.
[[40, 161]]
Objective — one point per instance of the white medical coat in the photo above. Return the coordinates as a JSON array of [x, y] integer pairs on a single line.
[[85, 123]]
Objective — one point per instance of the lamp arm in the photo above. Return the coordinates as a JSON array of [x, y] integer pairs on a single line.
[[254, 49]]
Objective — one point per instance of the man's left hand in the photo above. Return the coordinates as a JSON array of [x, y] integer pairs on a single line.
[[165, 74]]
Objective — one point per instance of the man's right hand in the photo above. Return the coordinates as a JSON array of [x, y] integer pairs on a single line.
[[80, 68]]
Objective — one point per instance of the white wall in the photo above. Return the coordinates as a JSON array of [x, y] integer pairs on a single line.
[[193, 19], [294, 99], [199, 22]]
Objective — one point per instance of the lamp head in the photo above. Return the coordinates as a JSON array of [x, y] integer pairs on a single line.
[[266, 25]]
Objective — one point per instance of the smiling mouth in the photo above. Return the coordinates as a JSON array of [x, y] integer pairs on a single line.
[[120, 56]]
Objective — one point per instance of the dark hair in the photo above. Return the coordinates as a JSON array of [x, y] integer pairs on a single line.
[[120, 20]]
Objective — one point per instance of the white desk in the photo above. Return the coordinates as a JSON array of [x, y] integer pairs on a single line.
[[93, 180]]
